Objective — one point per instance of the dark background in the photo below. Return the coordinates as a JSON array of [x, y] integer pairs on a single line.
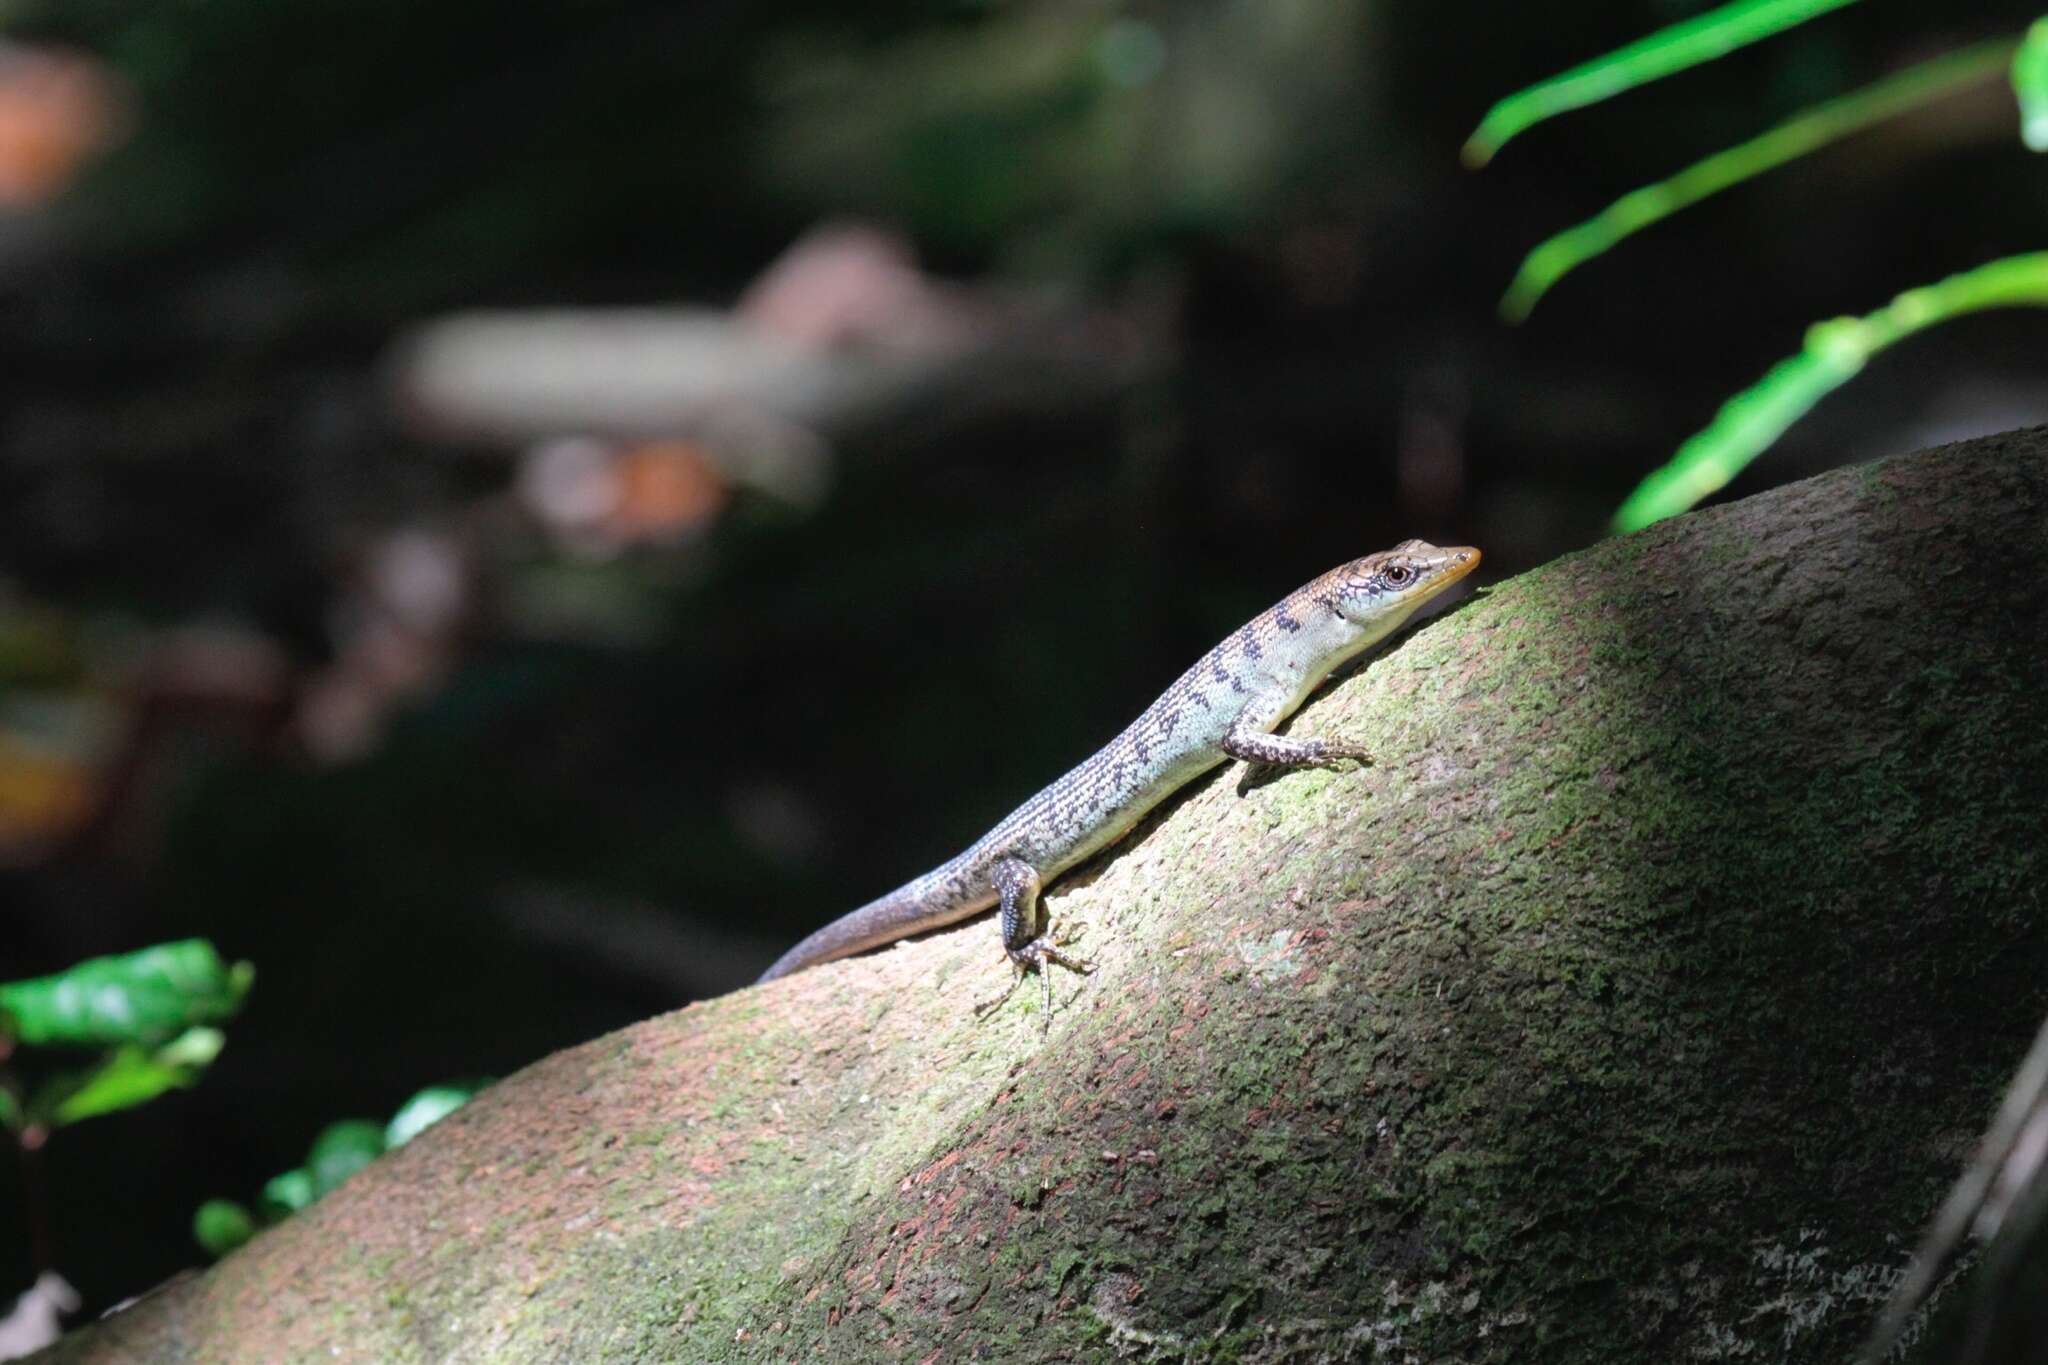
[[290, 662]]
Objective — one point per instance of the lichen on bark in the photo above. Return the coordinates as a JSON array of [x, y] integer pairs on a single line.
[[1636, 1003]]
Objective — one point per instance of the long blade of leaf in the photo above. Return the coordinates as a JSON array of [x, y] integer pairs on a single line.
[[2030, 85], [1813, 128], [1701, 39], [1834, 352]]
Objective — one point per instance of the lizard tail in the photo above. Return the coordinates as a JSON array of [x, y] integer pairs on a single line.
[[938, 898]]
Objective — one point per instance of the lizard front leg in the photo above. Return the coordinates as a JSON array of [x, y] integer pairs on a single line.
[[1253, 744], [1016, 884]]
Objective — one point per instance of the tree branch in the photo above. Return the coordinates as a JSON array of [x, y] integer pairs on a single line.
[[1639, 1002]]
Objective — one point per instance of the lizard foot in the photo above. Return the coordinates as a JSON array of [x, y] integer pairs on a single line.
[[1035, 956], [1335, 759]]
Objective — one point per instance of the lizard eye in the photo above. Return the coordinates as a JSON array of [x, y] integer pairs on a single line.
[[1398, 575]]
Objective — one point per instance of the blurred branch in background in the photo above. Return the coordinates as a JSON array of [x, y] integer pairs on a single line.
[[2001, 1201], [634, 429], [841, 334]]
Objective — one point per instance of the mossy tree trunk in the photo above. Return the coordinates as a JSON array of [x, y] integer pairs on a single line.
[[1637, 1004]]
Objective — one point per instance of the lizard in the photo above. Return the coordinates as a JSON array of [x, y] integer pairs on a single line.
[[1224, 707]]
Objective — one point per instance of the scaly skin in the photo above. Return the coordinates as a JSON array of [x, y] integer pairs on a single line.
[[1224, 707]]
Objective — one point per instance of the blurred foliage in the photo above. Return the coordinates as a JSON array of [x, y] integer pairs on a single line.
[[286, 1193], [130, 1075], [1663, 53], [426, 1109], [1835, 351], [136, 998], [148, 1010], [148, 1014], [1815, 128], [341, 1149], [2030, 86], [221, 1225], [1060, 138]]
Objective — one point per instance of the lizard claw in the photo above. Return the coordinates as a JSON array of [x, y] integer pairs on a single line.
[[1035, 956], [985, 1008]]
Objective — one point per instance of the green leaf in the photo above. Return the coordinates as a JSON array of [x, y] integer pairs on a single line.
[[2030, 84], [195, 1048], [1812, 129], [221, 1225], [341, 1150], [11, 1115], [1713, 34], [1834, 352], [288, 1193], [129, 1076], [345, 1147], [141, 997], [425, 1109]]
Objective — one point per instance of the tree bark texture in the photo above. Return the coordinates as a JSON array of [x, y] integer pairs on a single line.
[[1638, 1003]]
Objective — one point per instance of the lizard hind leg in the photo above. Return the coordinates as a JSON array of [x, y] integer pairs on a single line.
[[1017, 885]]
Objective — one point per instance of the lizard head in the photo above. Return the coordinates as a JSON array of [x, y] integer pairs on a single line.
[[1382, 590]]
